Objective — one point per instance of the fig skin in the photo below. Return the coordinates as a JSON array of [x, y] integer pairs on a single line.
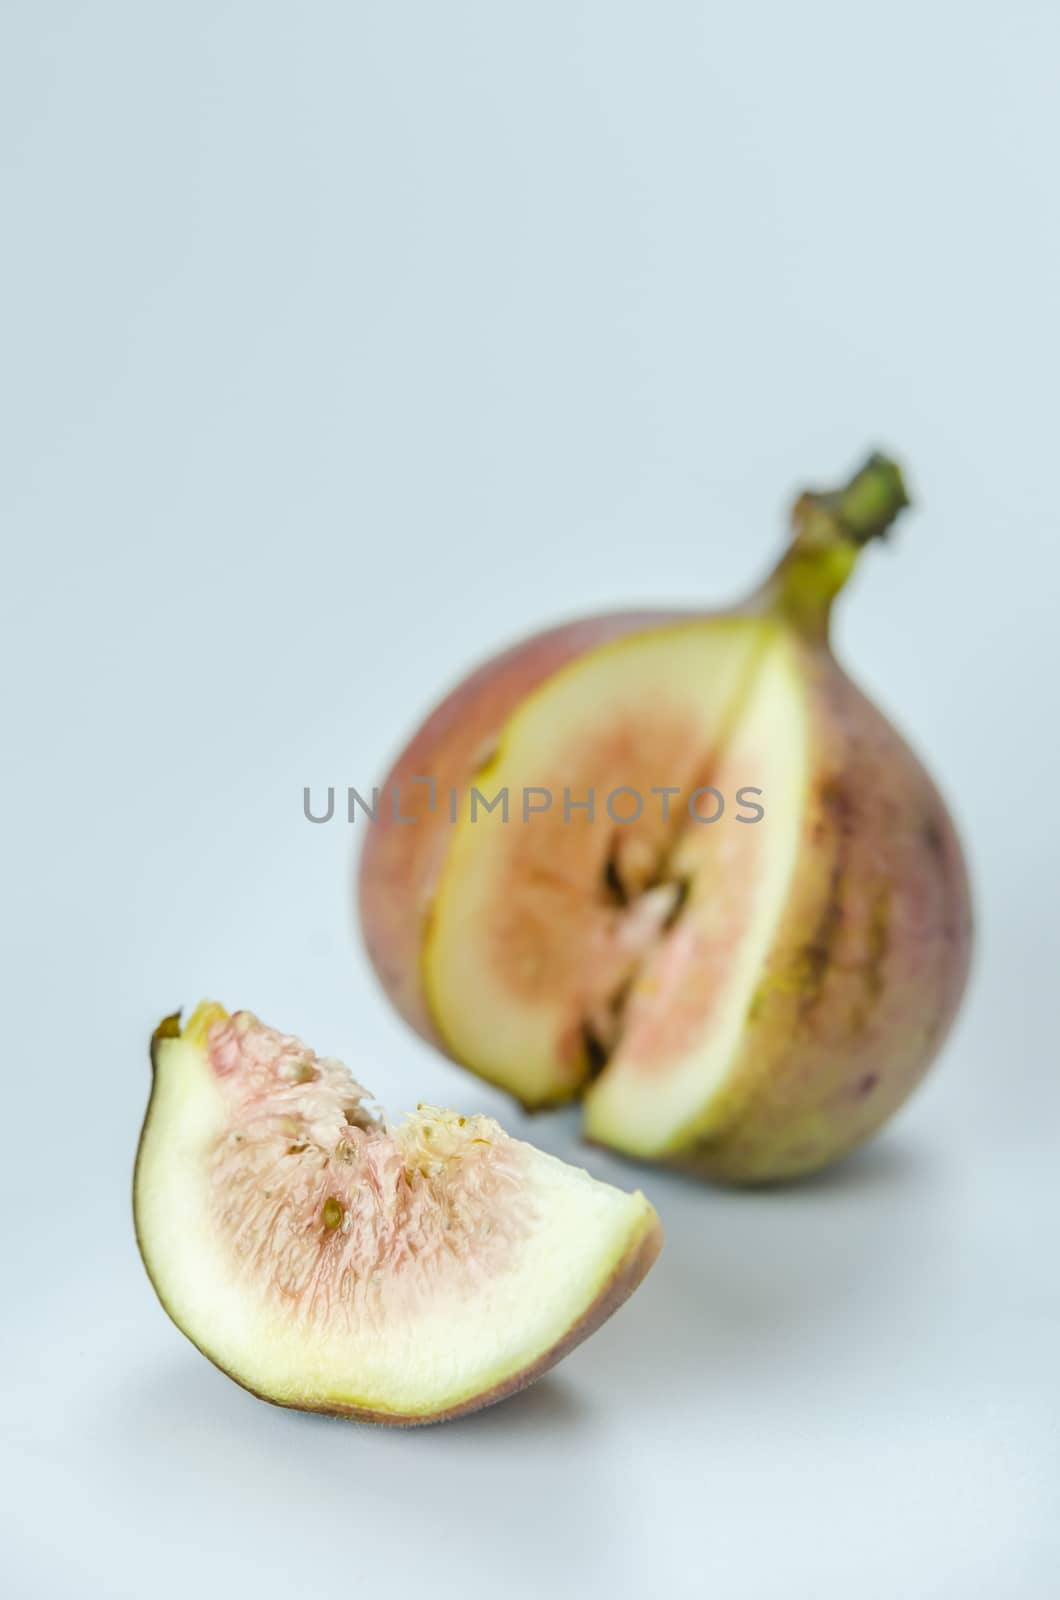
[[870, 963], [871, 956]]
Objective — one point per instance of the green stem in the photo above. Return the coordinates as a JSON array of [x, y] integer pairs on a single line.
[[829, 528]]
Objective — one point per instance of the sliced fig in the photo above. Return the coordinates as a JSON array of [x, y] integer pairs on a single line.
[[536, 926], [329, 1260], [745, 996]]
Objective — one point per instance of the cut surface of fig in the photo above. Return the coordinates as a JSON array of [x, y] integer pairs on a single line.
[[575, 952], [328, 1260], [685, 1014]]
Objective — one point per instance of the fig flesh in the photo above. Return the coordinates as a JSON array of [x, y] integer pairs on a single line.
[[330, 1261], [745, 993]]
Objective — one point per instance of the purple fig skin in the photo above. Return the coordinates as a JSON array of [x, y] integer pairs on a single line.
[[873, 949]]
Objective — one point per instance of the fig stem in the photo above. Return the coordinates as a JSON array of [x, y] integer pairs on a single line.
[[829, 528]]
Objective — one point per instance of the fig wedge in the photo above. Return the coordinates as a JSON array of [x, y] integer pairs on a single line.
[[330, 1261]]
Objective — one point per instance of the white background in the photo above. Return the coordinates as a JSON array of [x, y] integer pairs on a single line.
[[341, 342]]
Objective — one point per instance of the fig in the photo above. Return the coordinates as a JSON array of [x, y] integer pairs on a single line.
[[722, 901], [330, 1261]]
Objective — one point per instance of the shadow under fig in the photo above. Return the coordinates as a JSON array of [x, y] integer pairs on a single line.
[[874, 1167], [189, 1399], [750, 1280]]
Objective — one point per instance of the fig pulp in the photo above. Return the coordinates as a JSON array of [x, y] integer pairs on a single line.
[[745, 950], [330, 1261]]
